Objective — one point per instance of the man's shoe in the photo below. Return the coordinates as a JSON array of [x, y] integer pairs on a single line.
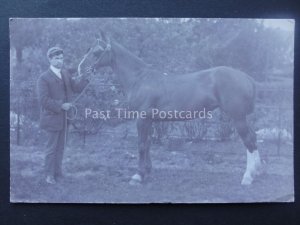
[[50, 180]]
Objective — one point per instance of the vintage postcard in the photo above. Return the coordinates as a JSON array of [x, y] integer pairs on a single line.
[[151, 110]]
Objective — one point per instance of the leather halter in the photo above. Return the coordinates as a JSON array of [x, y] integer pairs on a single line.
[[106, 49]]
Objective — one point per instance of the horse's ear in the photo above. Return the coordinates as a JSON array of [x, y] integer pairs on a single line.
[[98, 36], [88, 50], [108, 40], [103, 35]]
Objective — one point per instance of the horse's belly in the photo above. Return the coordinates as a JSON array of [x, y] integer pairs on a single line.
[[194, 99], [188, 104]]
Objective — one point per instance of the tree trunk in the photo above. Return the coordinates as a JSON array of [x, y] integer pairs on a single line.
[[19, 55]]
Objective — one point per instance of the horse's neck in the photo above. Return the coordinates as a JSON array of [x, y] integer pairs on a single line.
[[127, 66]]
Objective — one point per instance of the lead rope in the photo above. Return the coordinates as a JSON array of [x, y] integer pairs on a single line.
[[66, 117], [73, 106]]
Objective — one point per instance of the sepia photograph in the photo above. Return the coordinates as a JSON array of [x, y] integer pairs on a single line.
[[151, 110]]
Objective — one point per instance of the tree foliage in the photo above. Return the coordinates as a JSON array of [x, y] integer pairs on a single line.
[[174, 46]]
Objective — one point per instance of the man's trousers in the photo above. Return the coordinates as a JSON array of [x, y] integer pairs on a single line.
[[54, 152]]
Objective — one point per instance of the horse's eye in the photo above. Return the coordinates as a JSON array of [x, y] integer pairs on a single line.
[[96, 56]]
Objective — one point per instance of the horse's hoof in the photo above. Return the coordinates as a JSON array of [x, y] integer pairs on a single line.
[[136, 180], [247, 180]]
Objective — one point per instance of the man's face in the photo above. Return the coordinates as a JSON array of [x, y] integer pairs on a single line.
[[57, 61]]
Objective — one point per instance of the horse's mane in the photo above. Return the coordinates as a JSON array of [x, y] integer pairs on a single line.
[[124, 51]]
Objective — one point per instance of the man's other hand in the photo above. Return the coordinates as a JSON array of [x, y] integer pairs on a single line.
[[66, 106]]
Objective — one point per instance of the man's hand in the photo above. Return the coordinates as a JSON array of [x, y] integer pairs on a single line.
[[66, 106]]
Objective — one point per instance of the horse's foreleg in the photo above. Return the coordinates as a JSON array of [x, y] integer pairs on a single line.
[[145, 164], [253, 158], [144, 142]]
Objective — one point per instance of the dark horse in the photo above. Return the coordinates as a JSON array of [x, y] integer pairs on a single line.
[[147, 89]]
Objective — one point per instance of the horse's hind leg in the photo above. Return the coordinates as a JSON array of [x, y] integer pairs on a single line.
[[253, 159], [144, 142]]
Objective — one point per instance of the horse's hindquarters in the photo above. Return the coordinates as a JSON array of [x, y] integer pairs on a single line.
[[235, 91]]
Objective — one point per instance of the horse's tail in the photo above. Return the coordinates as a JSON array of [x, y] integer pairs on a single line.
[[258, 88], [252, 95]]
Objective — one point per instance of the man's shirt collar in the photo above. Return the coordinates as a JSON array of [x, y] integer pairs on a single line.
[[56, 71]]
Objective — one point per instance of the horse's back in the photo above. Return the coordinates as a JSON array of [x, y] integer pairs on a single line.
[[230, 89]]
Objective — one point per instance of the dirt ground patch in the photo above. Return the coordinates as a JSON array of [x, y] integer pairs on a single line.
[[201, 172]]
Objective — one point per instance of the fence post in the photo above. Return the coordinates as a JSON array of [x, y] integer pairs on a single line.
[[18, 121], [84, 132], [279, 131]]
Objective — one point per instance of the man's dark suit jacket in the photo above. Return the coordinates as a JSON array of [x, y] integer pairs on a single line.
[[52, 93]]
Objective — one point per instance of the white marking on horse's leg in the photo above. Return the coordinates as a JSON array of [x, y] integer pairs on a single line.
[[250, 168], [135, 179], [258, 164]]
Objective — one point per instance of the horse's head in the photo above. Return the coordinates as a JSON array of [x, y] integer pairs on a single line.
[[99, 55]]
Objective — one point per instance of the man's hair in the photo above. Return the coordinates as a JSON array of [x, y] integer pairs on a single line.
[[54, 51]]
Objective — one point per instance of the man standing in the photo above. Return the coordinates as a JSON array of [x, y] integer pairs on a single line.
[[55, 88]]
